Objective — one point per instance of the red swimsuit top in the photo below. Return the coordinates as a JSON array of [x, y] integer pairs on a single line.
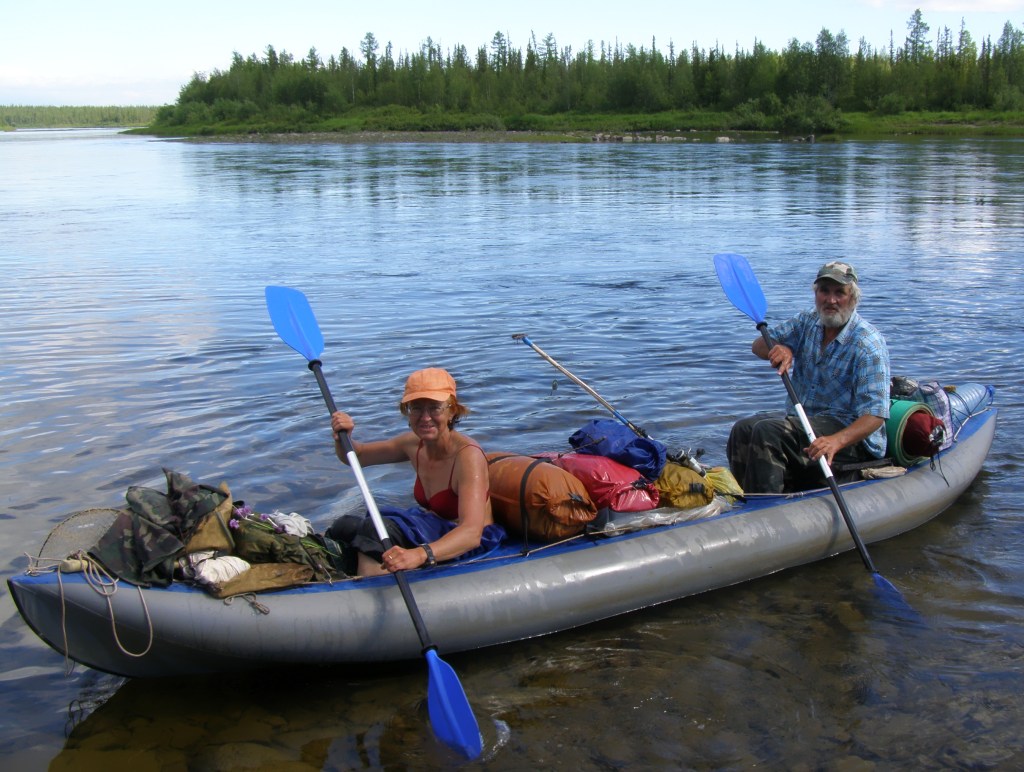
[[446, 501]]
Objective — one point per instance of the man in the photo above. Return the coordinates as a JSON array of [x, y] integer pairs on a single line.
[[840, 373]]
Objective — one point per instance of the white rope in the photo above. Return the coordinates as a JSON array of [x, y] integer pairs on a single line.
[[103, 584], [100, 581], [36, 565], [69, 664], [250, 598]]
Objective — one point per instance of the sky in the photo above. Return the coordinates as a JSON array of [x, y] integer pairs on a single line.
[[116, 52]]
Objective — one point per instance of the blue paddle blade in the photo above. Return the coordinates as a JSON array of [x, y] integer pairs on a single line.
[[450, 714], [740, 285], [896, 604], [294, 321]]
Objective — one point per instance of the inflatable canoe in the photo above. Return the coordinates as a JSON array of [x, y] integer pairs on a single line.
[[639, 559]]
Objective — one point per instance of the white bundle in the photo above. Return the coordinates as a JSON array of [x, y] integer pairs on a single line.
[[292, 523], [211, 570]]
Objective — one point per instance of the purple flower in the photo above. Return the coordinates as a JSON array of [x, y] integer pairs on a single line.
[[235, 523], [268, 519]]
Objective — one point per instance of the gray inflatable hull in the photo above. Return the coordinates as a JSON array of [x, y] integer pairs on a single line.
[[183, 630]]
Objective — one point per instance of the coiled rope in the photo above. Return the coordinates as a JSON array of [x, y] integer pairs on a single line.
[[101, 582]]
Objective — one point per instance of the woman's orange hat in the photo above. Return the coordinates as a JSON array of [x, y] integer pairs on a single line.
[[431, 383]]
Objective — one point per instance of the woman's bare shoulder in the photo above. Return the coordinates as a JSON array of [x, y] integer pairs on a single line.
[[470, 452]]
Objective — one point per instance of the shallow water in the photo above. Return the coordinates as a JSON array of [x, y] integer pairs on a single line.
[[136, 338]]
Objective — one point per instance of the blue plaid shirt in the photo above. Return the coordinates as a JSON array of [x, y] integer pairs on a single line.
[[850, 378]]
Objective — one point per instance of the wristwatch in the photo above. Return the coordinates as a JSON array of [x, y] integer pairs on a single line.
[[431, 560]]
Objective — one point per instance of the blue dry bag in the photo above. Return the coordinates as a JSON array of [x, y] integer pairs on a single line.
[[605, 437]]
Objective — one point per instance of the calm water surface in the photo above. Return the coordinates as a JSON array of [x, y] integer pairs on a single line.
[[135, 337]]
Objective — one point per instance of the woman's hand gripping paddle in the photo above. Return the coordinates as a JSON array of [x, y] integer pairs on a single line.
[[450, 714], [744, 291]]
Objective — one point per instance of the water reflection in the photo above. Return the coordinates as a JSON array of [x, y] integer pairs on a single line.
[[136, 338]]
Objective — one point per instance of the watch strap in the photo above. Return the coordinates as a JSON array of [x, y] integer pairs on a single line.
[[431, 560]]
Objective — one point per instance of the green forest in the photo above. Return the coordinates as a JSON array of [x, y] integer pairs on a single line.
[[815, 87], [942, 81]]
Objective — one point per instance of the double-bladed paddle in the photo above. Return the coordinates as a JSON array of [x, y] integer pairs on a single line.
[[743, 290], [450, 713]]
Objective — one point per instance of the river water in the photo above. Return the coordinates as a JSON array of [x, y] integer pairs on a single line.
[[135, 337]]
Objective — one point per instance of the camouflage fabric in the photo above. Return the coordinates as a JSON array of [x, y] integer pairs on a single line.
[[257, 541], [766, 453], [142, 543], [181, 509]]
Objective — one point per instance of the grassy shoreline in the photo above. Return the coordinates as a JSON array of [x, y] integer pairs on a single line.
[[387, 125], [378, 126]]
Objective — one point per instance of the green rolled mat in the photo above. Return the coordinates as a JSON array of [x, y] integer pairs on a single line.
[[900, 411]]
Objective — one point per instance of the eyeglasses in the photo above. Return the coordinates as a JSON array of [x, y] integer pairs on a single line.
[[434, 409]]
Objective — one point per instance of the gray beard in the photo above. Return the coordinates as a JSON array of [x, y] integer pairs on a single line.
[[836, 320]]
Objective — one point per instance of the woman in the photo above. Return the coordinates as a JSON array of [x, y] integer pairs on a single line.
[[451, 484]]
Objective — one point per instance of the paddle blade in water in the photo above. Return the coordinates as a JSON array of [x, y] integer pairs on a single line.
[[294, 321], [893, 599], [740, 285], [450, 714]]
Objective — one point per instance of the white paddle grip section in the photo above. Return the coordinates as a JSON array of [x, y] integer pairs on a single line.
[[371, 505], [810, 436]]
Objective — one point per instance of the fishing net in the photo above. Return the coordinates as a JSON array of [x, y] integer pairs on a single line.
[[79, 532], [64, 551]]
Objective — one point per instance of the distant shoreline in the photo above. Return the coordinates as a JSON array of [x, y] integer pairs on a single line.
[[580, 137], [390, 124], [664, 127], [383, 137]]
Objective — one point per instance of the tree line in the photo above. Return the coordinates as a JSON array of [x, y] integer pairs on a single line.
[[804, 86], [71, 117]]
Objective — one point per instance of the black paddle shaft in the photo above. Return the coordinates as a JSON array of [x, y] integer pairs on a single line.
[[836, 492]]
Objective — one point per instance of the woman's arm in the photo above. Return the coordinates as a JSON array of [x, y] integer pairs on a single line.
[[391, 451]]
